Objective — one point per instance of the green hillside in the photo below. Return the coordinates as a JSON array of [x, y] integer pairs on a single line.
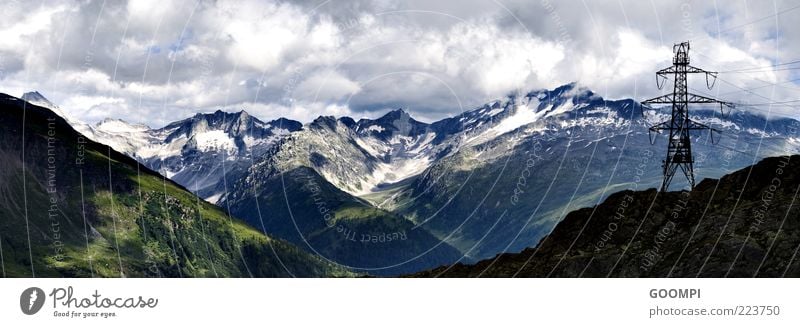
[[74, 208]]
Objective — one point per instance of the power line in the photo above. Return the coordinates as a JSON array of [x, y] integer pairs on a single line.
[[745, 90], [738, 104], [772, 101], [759, 87], [761, 67], [719, 33], [768, 103], [767, 85], [760, 71], [777, 103]]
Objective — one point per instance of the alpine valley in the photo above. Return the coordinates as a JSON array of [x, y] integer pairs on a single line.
[[394, 195]]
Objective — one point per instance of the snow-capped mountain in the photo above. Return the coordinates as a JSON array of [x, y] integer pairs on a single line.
[[496, 179], [490, 180], [362, 157], [371, 155], [537, 157], [120, 135], [36, 98], [197, 152]]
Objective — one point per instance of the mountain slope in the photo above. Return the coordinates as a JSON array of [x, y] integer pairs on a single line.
[[73, 207], [363, 157], [548, 153], [302, 207], [745, 224]]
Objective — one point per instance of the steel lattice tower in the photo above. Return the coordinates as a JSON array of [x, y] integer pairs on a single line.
[[679, 149]]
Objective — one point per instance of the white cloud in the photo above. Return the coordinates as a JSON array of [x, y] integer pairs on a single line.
[[630, 56], [327, 86], [500, 61], [16, 33], [364, 57]]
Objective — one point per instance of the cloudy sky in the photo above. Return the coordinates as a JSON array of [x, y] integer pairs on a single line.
[[154, 62]]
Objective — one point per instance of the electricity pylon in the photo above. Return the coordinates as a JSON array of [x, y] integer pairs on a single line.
[[679, 149]]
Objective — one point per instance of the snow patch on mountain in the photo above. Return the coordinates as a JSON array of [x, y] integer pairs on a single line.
[[214, 140], [399, 158], [390, 173], [375, 128], [563, 108], [715, 122], [758, 132], [525, 114], [162, 150], [214, 198]]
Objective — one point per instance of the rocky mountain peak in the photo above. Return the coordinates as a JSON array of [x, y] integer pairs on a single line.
[[324, 122], [38, 99], [395, 122]]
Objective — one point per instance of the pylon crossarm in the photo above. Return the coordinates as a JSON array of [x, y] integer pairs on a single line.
[[660, 126], [696, 98], [694, 70], [693, 125], [689, 69], [666, 98], [666, 71]]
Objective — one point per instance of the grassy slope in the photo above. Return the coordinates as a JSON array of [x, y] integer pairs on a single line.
[[137, 224]]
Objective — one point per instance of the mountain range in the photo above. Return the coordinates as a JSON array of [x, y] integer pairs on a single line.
[[394, 195], [72, 207]]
